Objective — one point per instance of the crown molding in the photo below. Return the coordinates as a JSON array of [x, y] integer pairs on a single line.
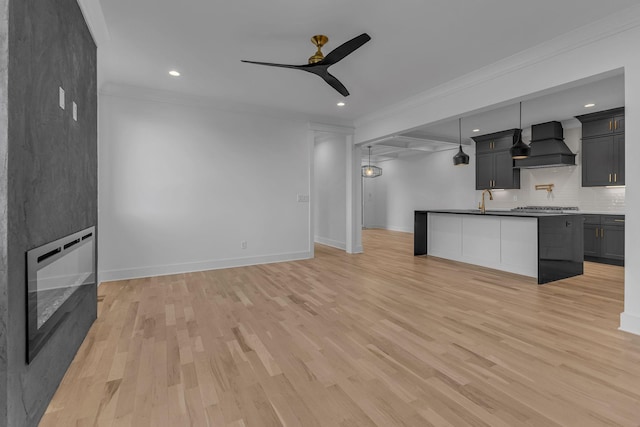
[[92, 11], [343, 130], [621, 21]]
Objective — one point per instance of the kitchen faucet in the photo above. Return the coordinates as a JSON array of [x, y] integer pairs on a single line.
[[481, 205]]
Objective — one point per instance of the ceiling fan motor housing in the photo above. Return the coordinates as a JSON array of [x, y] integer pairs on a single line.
[[319, 41]]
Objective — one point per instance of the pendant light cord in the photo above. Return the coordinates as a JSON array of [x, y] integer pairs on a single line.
[[460, 131]]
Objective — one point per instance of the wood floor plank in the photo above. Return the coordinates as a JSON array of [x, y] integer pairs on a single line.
[[381, 338]]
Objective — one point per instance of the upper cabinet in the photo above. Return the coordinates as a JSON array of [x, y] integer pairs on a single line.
[[602, 123], [603, 148], [494, 165]]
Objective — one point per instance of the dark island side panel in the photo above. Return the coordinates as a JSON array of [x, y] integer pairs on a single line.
[[560, 247], [420, 233]]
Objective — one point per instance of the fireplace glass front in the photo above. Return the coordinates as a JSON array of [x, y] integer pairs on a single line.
[[59, 274]]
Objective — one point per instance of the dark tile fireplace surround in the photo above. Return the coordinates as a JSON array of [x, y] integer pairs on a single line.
[[48, 191]]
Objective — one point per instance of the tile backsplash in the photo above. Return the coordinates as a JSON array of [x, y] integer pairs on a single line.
[[567, 190]]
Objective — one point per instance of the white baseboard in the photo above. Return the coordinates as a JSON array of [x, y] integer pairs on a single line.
[[374, 227], [357, 250], [191, 267], [401, 229], [391, 228], [630, 323], [330, 242]]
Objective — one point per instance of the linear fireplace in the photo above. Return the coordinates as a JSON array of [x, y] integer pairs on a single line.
[[59, 275]]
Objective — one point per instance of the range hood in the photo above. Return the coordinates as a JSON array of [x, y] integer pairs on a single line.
[[547, 148]]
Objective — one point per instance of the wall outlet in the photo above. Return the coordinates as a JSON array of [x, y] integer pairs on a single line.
[[61, 97], [515, 198], [243, 244], [303, 198]]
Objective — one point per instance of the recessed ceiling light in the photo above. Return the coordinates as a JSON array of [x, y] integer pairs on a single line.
[[340, 104], [476, 130], [589, 105], [174, 73]]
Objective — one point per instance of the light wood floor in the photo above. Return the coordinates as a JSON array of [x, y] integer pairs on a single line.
[[382, 338]]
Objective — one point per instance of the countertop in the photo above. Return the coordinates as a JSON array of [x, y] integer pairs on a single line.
[[601, 213], [489, 212]]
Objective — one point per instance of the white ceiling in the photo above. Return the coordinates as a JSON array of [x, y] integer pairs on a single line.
[[416, 45]]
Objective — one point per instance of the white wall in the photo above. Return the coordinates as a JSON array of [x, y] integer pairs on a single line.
[[181, 186], [330, 192], [601, 47], [416, 183], [374, 194]]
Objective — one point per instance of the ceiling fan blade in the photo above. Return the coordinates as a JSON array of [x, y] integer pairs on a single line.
[[335, 83], [345, 49], [271, 64], [320, 68]]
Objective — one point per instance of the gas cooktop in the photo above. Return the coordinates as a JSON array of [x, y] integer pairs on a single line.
[[547, 209]]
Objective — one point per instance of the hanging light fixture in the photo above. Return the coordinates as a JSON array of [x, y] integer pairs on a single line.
[[370, 171], [461, 158], [519, 150]]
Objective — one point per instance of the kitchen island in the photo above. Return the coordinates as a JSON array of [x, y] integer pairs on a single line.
[[546, 246]]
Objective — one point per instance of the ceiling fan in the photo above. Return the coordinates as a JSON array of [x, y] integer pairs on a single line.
[[319, 64]]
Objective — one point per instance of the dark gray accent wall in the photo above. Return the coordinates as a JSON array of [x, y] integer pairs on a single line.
[[4, 65], [52, 181]]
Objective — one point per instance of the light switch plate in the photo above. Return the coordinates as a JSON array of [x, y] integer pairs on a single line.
[[303, 198], [75, 111], [61, 97]]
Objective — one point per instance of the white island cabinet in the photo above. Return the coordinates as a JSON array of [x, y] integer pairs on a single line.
[[500, 242], [547, 247]]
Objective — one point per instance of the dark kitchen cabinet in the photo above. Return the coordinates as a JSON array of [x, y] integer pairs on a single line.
[[612, 242], [591, 232], [619, 123], [484, 170], [505, 175], [602, 123], [603, 148], [494, 165], [618, 159], [604, 239], [603, 161]]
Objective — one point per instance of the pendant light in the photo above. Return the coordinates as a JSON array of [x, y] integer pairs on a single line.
[[370, 171], [461, 158], [519, 150]]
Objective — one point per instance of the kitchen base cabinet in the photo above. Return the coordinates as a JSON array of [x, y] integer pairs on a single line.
[[479, 240], [591, 242], [604, 239], [612, 243]]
